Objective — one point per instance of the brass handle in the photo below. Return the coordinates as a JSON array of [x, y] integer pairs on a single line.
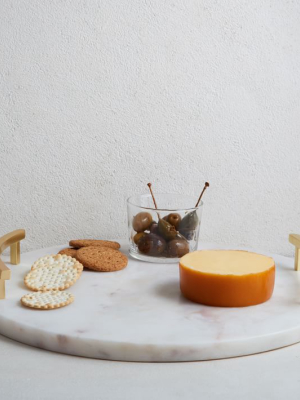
[[11, 239], [295, 240]]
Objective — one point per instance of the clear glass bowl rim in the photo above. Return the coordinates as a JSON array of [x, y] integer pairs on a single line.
[[162, 209]]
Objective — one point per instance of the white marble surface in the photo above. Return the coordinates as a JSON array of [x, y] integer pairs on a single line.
[[138, 314]]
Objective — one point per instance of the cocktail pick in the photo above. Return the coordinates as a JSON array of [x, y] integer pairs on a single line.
[[166, 230], [153, 198], [201, 194], [189, 223]]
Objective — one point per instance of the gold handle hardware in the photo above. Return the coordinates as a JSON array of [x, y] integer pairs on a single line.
[[295, 240], [11, 239]]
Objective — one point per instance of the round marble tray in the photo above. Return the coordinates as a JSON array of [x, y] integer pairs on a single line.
[[138, 314]]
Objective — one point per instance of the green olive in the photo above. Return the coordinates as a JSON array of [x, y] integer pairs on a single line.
[[188, 225], [189, 235], [166, 230], [141, 221], [173, 219]]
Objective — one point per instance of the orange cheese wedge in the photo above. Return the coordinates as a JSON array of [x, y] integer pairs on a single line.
[[227, 278]]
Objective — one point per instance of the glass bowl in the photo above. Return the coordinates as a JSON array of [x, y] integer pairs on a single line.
[[166, 234]]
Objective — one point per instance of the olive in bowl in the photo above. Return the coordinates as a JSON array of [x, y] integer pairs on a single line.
[[151, 244], [142, 221]]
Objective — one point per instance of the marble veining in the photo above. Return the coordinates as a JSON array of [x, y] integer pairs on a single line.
[[139, 314]]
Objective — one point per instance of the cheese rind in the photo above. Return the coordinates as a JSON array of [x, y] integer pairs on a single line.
[[227, 278]]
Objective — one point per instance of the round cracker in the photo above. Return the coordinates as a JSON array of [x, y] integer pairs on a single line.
[[102, 258], [53, 277], [58, 260], [47, 300], [69, 252], [91, 242]]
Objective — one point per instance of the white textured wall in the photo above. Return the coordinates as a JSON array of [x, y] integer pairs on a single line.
[[99, 97]]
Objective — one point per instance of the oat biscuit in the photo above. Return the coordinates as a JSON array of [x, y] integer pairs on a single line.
[[57, 260], [53, 277], [47, 300], [102, 258], [68, 252], [90, 242]]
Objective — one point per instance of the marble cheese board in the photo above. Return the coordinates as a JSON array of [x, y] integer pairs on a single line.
[[139, 314]]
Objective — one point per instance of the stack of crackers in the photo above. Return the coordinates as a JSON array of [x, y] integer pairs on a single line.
[[97, 255], [48, 277], [51, 275]]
